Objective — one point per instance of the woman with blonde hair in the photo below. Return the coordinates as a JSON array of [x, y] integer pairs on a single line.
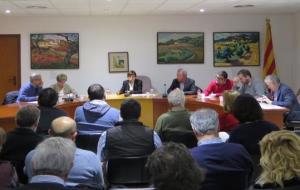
[[227, 119], [280, 161]]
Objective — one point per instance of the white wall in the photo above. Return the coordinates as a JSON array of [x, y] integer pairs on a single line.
[[296, 69], [137, 35]]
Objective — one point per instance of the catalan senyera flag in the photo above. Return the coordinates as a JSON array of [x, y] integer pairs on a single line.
[[269, 66]]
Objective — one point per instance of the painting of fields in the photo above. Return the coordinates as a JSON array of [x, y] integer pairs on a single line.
[[180, 47], [54, 51], [236, 49]]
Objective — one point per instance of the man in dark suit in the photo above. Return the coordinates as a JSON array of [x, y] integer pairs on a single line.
[[132, 85], [282, 95], [184, 83]]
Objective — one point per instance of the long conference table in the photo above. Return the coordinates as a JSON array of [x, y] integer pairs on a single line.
[[152, 107]]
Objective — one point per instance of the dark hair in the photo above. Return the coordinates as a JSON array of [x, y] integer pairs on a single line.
[[172, 167], [223, 74], [96, 91], [130, 109], [48, 97], [246, 109], [27, 116], [244, 72], [131, 73]]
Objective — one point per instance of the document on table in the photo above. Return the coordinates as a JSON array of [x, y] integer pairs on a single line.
[[265, 106]]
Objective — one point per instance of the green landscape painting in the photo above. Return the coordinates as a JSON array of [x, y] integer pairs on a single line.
[[180, 47], [54, 51]]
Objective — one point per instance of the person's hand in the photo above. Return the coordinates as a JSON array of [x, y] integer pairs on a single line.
[[265, 99], [235, 80]]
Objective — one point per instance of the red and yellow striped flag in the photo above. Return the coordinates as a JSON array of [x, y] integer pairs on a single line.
[[269, 66]]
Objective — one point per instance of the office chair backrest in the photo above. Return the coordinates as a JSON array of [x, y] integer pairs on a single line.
[[10, 97], [147, 86]]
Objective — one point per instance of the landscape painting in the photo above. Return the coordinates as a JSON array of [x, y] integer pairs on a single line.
[[54, 51], [180, 47], [236, 49]]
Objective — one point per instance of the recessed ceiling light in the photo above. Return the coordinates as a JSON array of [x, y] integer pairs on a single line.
[[243, 6], [202, 10], [7, 11]]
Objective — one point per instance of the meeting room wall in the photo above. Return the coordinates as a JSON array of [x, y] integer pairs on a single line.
[[137, 35], [296, 71]]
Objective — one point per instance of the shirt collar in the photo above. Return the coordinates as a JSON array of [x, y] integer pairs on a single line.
[[47, 179], [210, 141]]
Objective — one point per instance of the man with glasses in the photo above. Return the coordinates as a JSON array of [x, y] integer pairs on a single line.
[[219, 85]]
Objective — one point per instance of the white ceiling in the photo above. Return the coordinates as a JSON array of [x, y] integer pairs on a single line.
[[145, 7]]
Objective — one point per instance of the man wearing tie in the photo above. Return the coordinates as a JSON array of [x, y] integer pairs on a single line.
[[30, 91], [132, 85], [184, 83]]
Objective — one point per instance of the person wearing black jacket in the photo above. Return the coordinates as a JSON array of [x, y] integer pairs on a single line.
[[184, 83], [132, 85]]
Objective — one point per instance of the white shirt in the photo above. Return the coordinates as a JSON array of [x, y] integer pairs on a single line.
[[131, 86]]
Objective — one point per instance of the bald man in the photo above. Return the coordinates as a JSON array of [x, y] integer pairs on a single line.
[[86, 167], [184, 83], [29, 92]]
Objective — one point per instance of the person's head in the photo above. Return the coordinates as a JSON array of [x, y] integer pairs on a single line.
[[205, 122], [247, 109], [130, 109], [280, 157], [181, 75], [229, 97], [244, 76], [172, 167], [36, 79], [131, 75], [61, 79], [176, 98], [63, 127], [272, 82], [48, 97], [28, 116], [53, 156], [96, 92], [222, 77], [2, 137]]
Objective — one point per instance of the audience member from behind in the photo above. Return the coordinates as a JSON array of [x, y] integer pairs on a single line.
[[61, 87], [51, 164], [8, 175], [172, 167], [97, 111], [252, 127], [22, 139], [227, 120], [184, 83], [219, 85], [177, 120], [280, 161], [228, 165], [29, 92], [86, 167], [132, 85], [47, 100], [130, 137]]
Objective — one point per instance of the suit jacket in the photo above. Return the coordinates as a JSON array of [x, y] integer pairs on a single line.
[[137, 87], [189, 86]]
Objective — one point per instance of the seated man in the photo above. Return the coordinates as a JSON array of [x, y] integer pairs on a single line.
[[132, 85], [177, 120], [229, 166], [245, 84], [22, 139], [130, 137], [97, 111], [184, 83], [86, 168], [47, 100], [282, 95], [219, 85], [61, 87], [30, 91], [51, 164]]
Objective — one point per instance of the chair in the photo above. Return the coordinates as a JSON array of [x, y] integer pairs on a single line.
[[129, 172], [10, 97], [292, 120], [88, 135], [186, 138], [147, 86]]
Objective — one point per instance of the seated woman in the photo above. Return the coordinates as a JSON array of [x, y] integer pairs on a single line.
[[227, 120], [280, 161], [61, 87], [132, 85]]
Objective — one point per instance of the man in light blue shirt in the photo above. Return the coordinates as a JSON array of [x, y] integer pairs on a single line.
[[29, 92], [86, 167]]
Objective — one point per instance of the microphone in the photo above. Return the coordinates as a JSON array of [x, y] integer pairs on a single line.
[[165, 94]]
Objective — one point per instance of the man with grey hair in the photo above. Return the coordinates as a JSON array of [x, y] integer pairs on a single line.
[[29, 92], [184, 83], [175, 123], [228, 165], [51, 164], [282, 95]]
